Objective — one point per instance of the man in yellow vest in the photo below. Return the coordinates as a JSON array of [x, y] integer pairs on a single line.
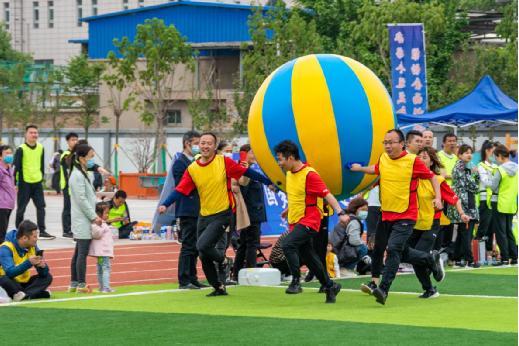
[[505, 181], [29, 172], [18, 254], [305, 193], [448, 157], [211, 175], [399, 173], [72, 139]]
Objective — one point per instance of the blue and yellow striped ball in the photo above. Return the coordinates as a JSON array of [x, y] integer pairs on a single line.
[[334, 108]]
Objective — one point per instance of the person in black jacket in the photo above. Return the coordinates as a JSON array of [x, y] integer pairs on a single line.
[[187, 210], [253, 195]]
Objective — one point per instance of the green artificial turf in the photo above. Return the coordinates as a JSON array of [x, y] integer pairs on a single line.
[[97, 327], [489, 282]]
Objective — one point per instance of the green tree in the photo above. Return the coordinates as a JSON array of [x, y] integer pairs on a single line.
[[148, 64], [83, 82], [278, 35]]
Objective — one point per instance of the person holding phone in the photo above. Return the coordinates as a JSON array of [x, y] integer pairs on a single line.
[[18, 254]]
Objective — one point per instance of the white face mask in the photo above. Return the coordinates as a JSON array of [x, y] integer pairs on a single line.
[[229, 155], [362, 214]]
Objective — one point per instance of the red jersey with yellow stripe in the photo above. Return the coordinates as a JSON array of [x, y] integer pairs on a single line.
[[213, 183]]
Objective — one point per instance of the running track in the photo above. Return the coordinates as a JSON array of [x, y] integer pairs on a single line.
[[134, 264]]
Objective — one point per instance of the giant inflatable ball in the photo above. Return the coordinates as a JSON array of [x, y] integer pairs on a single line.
[[334, 108]]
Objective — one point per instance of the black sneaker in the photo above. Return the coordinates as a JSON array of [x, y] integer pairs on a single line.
[[68, 235], [309, 277], [380, 295], [294, 287], [474, 265], [189, 286], [45, 235], [438, 270], [513, 262], [499, 264], [218, 292], [332, 292], [199, 284], [432, 293], [368, 288], [322, 289]]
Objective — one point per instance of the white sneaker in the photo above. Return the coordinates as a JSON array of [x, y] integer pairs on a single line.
[[18, 297], [346, 273]]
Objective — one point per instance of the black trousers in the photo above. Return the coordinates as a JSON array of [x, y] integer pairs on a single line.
[[487, 223], [32, 288], [248, 248], [188, 252], [424, 241], [320, 243], [78, 266], [299, 243], [505, 238], [463, 244], [374, 217], [392, 236], [4, 222], [210, 230], [26, 192], [444, 239], [65, 213]]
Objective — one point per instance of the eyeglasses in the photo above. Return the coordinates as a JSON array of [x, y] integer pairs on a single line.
[[389, 142]]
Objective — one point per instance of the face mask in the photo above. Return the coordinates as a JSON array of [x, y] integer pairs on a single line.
[[195, 149], [8, 159], [229, 155], [362, 214], [90, 163], [492, 159]]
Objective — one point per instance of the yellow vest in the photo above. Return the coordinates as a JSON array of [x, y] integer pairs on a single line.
[[395, 182], [507, 197], [448, 163], [117, 212], [212, 186], [426, 209], [24, 277], [31, 163], [296, 194], [62, 179]]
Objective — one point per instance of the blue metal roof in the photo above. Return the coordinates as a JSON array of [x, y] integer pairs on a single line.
[[198, 22]]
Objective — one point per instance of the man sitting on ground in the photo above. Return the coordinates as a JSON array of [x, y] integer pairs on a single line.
[[18, 254]]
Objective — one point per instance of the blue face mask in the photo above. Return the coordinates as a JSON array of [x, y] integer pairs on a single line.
[[90, 163], [492, 159], [195, 149], [8, 159], [362, 214]]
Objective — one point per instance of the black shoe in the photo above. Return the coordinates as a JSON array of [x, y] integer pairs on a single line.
[[332, 292], [438, 270], [309, 277], [189, 286], [68, 235], [474, 265], [45, 235], [380, 295], [218, 292], [294, 287], [369, 287], [499, 264], [199, 284], [513, 262], [322, 289], [432, 293], [41, 295]]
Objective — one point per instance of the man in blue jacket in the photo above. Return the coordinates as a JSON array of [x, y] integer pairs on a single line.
[[187, 210], [18, 254]]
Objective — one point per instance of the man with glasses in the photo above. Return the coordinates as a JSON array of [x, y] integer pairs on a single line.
[[399, 172]]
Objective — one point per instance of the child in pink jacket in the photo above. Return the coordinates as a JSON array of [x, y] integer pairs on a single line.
[[102, 247]]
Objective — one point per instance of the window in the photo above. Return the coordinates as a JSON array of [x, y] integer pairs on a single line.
[[141, 3], [174, 117], [35, 14], [50, 14], [125, 4], [7, 15], [94, 8], [79, 8]]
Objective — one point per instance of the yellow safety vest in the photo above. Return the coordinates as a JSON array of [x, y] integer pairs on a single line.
[[62, 179], [426, 208], [117, 212], [296, 194], [395, 182], [212, 185], [25, 276], [507, 198], [31, 163], [448, 163]]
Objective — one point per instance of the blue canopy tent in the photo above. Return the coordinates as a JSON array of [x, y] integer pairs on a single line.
[[486, 103]]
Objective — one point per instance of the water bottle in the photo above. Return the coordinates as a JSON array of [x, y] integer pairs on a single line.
[[163, 233], [145, 234]]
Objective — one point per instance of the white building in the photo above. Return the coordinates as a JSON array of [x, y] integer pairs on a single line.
[[44, 28]]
